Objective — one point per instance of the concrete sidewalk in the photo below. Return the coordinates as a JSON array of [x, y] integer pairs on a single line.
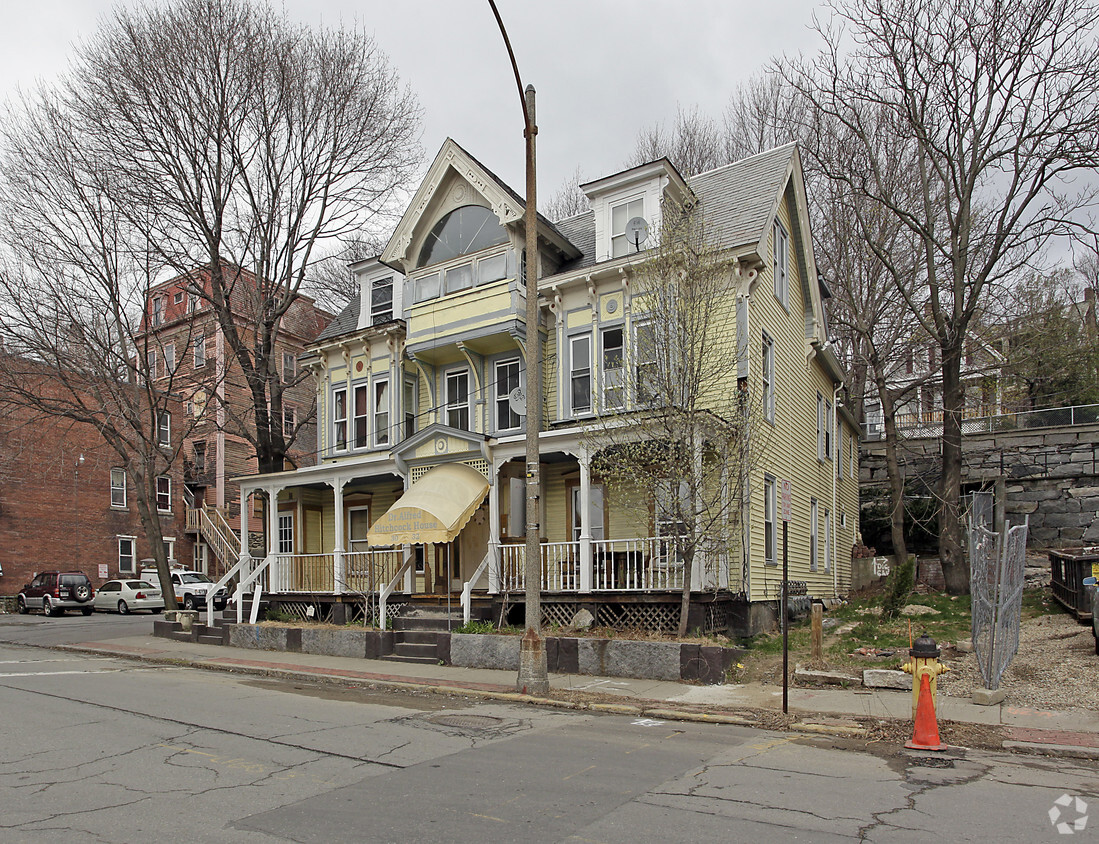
[[1024, 729]]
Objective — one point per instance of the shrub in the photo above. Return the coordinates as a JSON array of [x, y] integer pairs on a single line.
[[474, 626], [898, 588]]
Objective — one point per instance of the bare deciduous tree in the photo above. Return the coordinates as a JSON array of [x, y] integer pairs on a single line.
[[996, 106], [569, 199], [235, 138], [693, 143]]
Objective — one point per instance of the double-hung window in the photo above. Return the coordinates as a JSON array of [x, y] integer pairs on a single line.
[[457, 399], [289, 367], [381, 411], [126, 554], [163, 428], [164, 494], [828, 430], [770, 507], [507, 379], [820, 427], [644, 358], [813, 539], [199, 346], [613, 373], [827, 539], [118, 487], [158, 311], [169, 359], [381, 300], [620, 215], [768, 378], [150, 361], [409, 407], [580, 373], [782, 265], [362, 416], [339, 418], [289, 420]]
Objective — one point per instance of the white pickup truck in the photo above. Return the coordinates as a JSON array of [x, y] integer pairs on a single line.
[[191, 588]]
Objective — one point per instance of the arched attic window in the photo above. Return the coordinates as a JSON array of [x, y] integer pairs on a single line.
[[464, 230]]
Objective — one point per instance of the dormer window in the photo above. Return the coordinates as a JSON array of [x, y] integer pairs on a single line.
[[620, 215], [158, 311], [470, 228], [381, 300]]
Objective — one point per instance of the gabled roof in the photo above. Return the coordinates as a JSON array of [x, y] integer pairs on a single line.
[[506, 204]]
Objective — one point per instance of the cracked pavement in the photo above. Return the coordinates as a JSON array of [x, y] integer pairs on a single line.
[[96, 749]]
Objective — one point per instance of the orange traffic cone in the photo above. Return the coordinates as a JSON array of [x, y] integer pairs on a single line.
[[925, 735]]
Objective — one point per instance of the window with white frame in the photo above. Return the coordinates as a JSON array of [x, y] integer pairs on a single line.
[[672, 508], [381, 411], [828, 430], [286, 532], [620, 215], [426, 287], [644, 359], [118, 487], [820, 427], [289, 367], [169, 549], [358, 526], [194, 302], [177, 298], [839, 450], [163, 428], [127, 553], [507, 379], [164, 494], [289, 420], [362, 416], [782, 265], [457, 399], [612, 372], [169, 358], [852, 463], [580, 373], [198, 346], [770, 506], [827, 539], [409, 407], [813, 516], [150, 361], [768, 378], [381, 300], [158, 311], [339, 418]]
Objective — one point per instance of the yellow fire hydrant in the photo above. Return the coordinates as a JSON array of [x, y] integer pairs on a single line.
[[924, 659]]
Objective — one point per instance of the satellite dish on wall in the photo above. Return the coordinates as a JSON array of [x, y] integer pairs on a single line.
[[637, 232], [517, 400]]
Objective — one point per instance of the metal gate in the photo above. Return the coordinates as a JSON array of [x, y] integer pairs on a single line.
[[996, 585]]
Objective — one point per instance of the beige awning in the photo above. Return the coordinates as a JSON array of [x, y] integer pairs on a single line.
[[434, 509]]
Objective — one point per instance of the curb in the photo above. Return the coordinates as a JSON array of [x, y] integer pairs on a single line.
[[643, 708]]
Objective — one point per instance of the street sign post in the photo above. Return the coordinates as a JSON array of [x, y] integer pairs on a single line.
[[786, 490]]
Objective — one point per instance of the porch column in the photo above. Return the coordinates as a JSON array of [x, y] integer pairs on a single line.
[[245, 560], [698, 569], [339, 573], [494, 531], [278, 578], [585, 523]]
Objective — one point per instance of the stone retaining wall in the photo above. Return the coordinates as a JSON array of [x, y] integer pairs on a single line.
[[1049, 474], [564, 655]]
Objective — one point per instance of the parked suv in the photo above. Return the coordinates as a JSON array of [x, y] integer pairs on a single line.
[[190, 587], [53, 592]]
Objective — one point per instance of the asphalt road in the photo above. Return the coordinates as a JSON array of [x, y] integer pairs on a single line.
[[96, 749]]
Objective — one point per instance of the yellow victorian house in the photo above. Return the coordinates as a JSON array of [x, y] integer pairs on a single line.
[[417, 494]]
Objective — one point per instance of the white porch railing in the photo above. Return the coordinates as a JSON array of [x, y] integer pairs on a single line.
[[368, 571], [304, 573], [560, 567]]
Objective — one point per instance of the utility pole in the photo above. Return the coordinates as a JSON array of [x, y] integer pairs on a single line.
[[533, 674]]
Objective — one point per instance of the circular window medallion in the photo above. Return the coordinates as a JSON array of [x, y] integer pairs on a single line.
[[440, 444], [612, 306], [359, 366]]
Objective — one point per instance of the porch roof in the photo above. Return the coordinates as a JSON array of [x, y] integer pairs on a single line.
[[434, 509]]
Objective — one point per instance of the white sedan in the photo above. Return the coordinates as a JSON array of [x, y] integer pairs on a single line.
[[125, 596]]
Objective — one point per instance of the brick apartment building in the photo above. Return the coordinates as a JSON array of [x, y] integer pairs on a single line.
[[187, 352], [66, 503]]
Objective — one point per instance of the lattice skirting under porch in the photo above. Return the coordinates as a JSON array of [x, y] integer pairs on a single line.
[[658, 617]]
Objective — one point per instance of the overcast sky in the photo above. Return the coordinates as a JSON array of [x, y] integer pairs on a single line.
[[603, 70]]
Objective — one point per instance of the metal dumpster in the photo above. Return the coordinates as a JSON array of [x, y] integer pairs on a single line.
[[1067, 572]]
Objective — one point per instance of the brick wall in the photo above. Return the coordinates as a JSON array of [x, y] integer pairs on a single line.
[[55, 512]]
